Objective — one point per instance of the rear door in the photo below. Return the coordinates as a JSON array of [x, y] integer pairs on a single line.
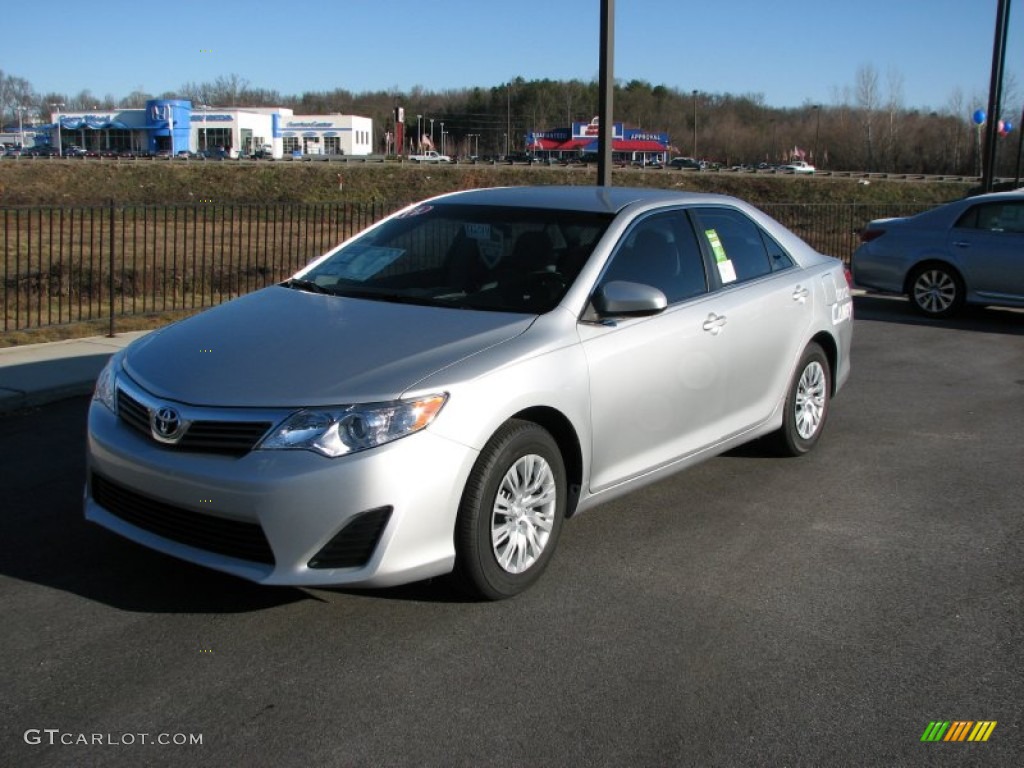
[[765, 303]]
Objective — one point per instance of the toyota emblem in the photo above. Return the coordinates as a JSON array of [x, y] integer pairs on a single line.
[[167, 425]]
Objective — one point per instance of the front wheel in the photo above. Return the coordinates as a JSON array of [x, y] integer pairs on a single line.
[[807, 403], [511, 512]]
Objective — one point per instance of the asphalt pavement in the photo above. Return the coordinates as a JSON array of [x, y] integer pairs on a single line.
[[751, 611]]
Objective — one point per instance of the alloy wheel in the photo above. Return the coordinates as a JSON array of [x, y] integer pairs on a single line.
[[523, 513]]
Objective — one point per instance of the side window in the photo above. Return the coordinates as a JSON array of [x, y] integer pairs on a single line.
[[777, 256], [661, 251], [736, 244], [994, 217]]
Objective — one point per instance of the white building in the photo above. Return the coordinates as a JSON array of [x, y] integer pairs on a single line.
[[174, 125]]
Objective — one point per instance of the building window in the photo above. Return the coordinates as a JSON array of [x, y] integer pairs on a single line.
[[332, 145], [291, 144], [211, 138]]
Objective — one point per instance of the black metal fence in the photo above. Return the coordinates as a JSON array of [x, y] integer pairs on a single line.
[[80, 264]]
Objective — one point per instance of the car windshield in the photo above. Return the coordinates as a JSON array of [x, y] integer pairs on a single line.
[[505, 259]]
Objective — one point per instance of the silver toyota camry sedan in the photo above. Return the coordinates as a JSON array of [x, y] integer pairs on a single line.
[[439, 393]]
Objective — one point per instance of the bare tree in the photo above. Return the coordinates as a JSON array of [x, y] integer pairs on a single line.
[[867, 100], [14, 92], [895, 114]]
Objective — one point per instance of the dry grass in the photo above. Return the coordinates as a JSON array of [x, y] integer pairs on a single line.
[[92, 182]]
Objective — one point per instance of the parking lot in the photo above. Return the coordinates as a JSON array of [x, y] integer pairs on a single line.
[[751, 611]]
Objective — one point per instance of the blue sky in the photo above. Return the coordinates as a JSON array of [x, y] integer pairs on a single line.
[[791, 51]]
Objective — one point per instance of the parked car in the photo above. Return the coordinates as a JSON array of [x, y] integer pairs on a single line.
[[798, 166], [685, 164], [969, 251], [439, 393]]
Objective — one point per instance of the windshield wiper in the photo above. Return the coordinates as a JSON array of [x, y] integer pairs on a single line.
[[305, 285]]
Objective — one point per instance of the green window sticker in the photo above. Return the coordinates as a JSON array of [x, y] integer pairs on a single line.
[[725, 268]]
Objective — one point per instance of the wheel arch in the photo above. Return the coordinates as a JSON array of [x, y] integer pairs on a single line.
[[564, 434], [908, 278], [828, 345]]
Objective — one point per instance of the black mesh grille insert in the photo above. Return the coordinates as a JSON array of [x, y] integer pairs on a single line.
[[245, 541], [353, 545], [232, 437]]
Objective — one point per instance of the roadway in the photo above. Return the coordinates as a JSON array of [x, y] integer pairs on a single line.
[[752, 611]]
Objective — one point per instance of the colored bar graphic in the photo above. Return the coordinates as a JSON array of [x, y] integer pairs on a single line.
[[982, 730], [958, 730]]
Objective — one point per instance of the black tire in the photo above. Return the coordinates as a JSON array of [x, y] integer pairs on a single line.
[[807, 404], [936, 290], [531, 530]]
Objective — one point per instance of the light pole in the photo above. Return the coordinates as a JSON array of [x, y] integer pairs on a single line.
[[419, 133], [431, 133], [817, 130], [508, 114], [695, 124], [442, 138], [21, 125], [60, 148]]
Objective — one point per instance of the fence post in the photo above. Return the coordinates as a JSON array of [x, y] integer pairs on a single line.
[[110, 276]]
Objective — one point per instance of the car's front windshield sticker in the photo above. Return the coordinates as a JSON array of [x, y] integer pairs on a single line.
[[478, 231], [491, 244], [725, 268], [417, 211]]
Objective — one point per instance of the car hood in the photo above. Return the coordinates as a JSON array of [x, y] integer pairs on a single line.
[[288, 348]]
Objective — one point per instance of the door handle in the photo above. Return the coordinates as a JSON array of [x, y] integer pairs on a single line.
[[961, 244], [800, 294], [714, 323]]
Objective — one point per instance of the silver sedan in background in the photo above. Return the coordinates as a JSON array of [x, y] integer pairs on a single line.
[[969, 251], [439, 393]]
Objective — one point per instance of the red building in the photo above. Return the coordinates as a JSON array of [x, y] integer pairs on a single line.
[[629, 145]]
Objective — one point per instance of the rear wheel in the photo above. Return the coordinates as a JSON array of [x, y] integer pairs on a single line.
[[807, 403], [511, 512], [936, 290]]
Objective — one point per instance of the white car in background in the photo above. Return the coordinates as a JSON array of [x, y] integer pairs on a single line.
[[798, 166]]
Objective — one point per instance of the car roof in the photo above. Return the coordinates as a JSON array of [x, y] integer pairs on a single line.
[[588, 199], [954, 208]]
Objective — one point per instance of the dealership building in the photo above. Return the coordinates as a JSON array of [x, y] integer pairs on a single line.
[[581, 139], [174, 125]]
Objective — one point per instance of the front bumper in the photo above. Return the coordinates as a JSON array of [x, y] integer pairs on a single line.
[[294, 503]]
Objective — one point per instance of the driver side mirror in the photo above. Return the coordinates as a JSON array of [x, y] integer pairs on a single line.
[[619, 298]]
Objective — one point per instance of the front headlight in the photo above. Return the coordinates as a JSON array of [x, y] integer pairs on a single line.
[[106, 384], [339, 431]]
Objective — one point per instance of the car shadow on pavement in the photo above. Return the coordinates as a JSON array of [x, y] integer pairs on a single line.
[[436, 590], [45, 540], [896, 309]]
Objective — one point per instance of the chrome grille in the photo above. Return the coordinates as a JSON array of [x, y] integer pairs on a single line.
[[209, 436]]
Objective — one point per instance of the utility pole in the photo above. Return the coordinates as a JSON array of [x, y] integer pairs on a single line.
[[694, 123], [606, 91], [995, 94]]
